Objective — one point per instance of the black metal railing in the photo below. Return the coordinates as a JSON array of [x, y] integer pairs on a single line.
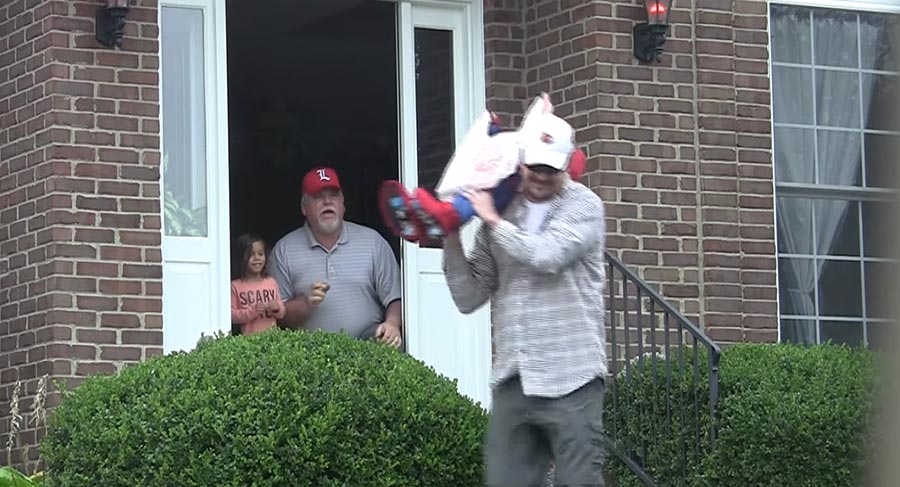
[[664, 385]]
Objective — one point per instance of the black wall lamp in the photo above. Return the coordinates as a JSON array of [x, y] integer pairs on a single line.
[[111, 22], [650, 36]]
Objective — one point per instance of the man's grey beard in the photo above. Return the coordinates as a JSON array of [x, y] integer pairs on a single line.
[[330, 228]]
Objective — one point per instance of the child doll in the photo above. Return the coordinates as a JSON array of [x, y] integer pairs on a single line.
[[486, 155], [255, 302]]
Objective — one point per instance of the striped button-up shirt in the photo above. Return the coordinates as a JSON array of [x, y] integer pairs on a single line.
[[546, 291]]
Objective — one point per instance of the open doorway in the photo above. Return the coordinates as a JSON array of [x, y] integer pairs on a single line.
[[310, 83]]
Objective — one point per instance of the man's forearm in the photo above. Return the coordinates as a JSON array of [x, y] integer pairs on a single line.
[[469, 288], [394, 314], [295, 313]]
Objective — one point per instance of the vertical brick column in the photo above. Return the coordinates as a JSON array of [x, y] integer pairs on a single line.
[[504, 37], [79, 196], [755, 172]]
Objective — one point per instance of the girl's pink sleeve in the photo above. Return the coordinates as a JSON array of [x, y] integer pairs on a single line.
[[239, 316], [279, 312]]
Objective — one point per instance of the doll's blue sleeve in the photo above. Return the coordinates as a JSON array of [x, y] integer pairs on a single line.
[[503, 194]]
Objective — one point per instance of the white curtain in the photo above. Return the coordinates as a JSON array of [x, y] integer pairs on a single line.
[[839, 163]]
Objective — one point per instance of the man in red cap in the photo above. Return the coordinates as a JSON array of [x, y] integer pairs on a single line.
[[350, 263]]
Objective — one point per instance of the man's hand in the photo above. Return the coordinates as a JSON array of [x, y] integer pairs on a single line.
[[483, 203], [389, 334], [317, 294]]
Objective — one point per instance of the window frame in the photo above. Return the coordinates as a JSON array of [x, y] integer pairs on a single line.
[[858, 195]]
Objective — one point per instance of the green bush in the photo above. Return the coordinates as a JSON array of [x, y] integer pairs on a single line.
[[788, 415], [279, 408], [793, 415]]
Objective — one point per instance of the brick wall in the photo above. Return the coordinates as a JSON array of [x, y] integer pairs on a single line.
[[79, 210], [680, 151], [504, 39]]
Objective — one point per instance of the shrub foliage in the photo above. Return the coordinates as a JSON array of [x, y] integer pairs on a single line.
[[788, 415], [279, 408]]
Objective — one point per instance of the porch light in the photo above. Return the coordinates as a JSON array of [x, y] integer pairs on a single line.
[[650, 36], [110, 22]]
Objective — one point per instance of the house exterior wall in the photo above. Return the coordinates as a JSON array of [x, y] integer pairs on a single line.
[[80, 260], [680, 152]]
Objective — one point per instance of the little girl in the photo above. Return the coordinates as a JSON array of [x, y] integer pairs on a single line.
[[255, 302]]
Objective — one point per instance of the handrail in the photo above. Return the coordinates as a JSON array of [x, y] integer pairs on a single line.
[[618, 264], [633, 441]]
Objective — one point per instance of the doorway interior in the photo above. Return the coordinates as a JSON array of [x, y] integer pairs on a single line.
[[310, 83]]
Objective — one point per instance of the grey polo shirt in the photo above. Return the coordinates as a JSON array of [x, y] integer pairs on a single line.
[[361, 269]]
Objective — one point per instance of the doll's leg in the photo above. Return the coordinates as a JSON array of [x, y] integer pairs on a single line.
[[393, 201], [456, 213], [436, 216]]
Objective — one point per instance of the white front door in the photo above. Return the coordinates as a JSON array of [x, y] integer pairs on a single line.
[[441, 94], [194, 128]]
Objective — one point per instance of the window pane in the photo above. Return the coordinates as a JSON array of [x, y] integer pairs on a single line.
[[839, 158], [184, 122], [837, 98], [878, 218], [837, 227], [435, 117], [796, 285], [792, 88], [791, 35], [840, 288], [835, 38], [879, 289], [795, 233], [802, 332], [879, 41], [881, 160], [848, 332], [794, 155], [880, 101]]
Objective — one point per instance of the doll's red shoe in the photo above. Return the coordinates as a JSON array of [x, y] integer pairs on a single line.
[[394, 204], [438, 217]]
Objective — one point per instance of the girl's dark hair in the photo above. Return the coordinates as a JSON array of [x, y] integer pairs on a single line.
[[240, 254]]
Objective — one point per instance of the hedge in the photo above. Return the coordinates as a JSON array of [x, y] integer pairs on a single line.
[[273, 409], [788, 415]]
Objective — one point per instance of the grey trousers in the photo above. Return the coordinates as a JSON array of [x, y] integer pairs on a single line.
[[526, 433]]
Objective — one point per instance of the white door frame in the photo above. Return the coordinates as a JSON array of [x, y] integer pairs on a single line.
[[467, 356], [185, 256]]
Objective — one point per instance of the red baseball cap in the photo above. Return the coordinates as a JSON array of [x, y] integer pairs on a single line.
[[319, 179]]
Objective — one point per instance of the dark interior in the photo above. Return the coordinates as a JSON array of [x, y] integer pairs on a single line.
[[310, 83]]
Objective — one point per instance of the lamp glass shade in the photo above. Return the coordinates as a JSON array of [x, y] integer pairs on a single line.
[[657, 11], [117, 3]]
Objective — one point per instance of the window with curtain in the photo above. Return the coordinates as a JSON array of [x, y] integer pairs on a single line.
[[835, 95]]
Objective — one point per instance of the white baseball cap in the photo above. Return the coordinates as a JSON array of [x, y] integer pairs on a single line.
[[551, 142]]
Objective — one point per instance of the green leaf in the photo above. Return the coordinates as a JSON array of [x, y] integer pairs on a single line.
[[10, 477]]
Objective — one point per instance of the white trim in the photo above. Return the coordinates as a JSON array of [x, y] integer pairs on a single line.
[[223, 162], [408, 149], [217, 241], [878, 6]]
